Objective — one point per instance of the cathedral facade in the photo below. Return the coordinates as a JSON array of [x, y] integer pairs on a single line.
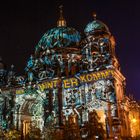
[[71, 80]]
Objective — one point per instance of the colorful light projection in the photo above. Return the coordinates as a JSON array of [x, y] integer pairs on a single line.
[[89, 96], [59, 37], [74, 81], [29, 107], [80, 95]]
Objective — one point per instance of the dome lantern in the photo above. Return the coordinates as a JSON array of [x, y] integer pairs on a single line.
[[61, 21], [94, 15]]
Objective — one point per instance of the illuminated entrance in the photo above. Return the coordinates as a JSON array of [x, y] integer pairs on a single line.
[[29, 113]]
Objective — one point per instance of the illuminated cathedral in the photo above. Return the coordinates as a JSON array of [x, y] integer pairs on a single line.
[[70, 79]]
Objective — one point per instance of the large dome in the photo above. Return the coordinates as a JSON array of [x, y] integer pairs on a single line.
[[59, 37], [96, 26]]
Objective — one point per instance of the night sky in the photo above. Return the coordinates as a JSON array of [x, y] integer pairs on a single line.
[[22, 24]]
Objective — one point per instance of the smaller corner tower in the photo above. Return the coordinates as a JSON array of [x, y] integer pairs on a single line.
[[98, 54]]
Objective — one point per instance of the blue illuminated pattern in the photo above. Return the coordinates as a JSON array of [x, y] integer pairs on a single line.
[[59, 37], [95, 26]]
